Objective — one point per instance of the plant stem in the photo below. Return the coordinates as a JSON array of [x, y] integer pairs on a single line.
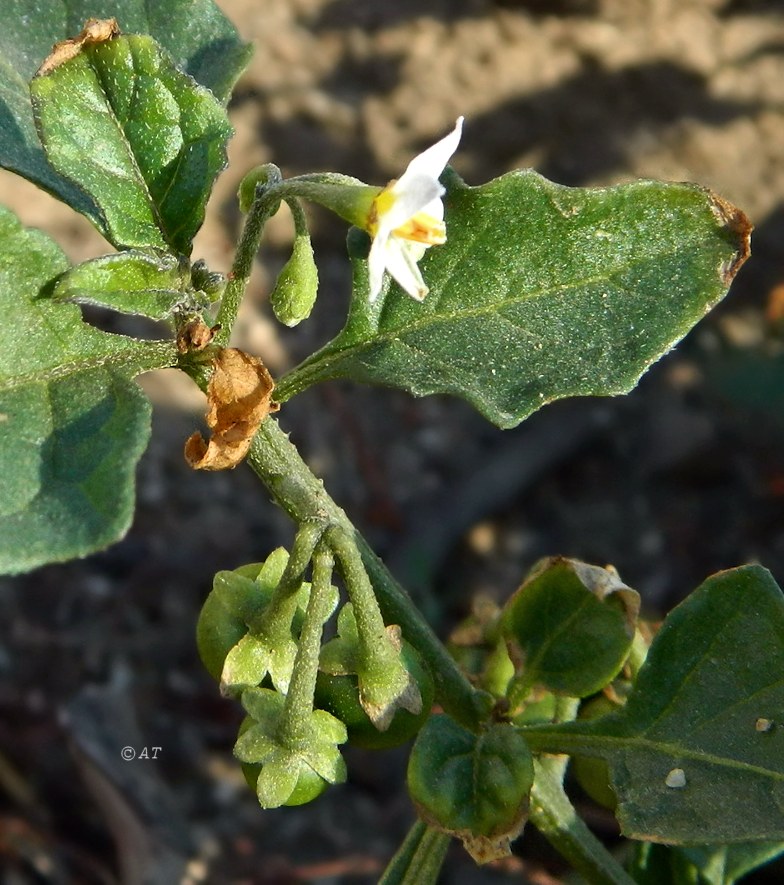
[[384, 682], [299, 699], [276, 618], [298, 217], [419, 859], [264, 206], [554, 816], [302, 495]]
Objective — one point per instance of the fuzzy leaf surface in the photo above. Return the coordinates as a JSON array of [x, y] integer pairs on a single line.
[[196, 34], [141, 138], [571, 624], [697, 753], [72, 422], [140, 283], [540, 292]]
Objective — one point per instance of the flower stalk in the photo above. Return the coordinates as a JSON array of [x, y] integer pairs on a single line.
[[302, 495], [265, 204], [295, 722]]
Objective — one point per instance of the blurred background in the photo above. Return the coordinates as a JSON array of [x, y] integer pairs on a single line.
[[683, 477]]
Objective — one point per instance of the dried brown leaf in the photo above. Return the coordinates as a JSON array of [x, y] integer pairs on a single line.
[[195, 335], [239, 398], [96, 30]]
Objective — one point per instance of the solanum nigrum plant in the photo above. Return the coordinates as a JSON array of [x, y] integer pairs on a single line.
[[509, 294]]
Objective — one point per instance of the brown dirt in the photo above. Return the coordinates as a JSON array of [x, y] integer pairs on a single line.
[[670, 484]]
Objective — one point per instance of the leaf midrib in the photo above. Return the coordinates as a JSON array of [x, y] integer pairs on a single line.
[[141, 181], [578, 744], [134, 361], [335, 352]]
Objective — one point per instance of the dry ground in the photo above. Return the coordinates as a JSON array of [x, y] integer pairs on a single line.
[[681, 478]]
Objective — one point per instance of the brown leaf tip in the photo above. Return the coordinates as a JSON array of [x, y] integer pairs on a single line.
[[96, 30], [737, 224], [239, 399]]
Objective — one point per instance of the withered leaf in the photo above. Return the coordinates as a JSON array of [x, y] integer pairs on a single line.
[[239, 400], [195, 335], [96, 30]]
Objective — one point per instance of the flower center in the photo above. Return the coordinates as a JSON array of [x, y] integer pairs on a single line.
[[420, 228], [423, 228]]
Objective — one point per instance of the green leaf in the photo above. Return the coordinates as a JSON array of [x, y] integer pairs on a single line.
[[141, 138], [725, 864], [196, 34], [472, 786], [571, 625], [142, 283], [701, 864], [654, 864], [541, 292], [697, 752], [72, 423]]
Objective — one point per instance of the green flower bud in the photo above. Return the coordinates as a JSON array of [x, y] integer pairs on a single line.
[[295, 291]]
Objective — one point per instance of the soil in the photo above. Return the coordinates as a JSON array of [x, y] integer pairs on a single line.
[[681, 478]]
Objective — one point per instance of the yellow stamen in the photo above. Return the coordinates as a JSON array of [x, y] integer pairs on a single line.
[[423, 228]]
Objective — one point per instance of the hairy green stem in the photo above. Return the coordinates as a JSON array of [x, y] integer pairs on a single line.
[[276, 618], [264, 206], [302, 495], [299, 698], [298, 217], [555, 817], [371, 630], [419, 859], [384, 682]]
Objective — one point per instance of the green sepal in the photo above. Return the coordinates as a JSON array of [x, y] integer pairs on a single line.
[[281, 765], [339, 695], [571, 626], [237, 599], [341, 656], [253, 657], [474, 786], [385, 684]]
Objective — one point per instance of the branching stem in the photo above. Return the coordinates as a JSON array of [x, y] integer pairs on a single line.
[[302, 495]]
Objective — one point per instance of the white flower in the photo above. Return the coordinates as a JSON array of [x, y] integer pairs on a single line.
[[407, 216]]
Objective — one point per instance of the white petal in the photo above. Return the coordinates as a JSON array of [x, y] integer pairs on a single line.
[[411, 197], [377, 264], [402, 266], [435, 209], [431, 163]]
